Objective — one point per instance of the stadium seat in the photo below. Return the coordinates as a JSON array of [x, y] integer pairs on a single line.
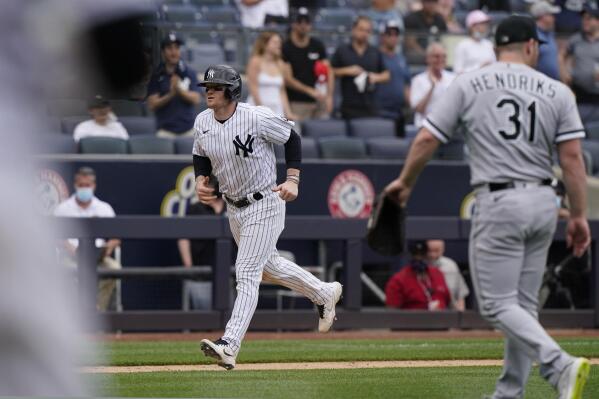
[[127, 108], [388, 148], [54, 144], [452, 151], [202, 55], [588, 113], [51, 124], [139, 124], [592, 130], [67, 107], [221, 18], [102, 145], [592, 147], [411, 131], [339, 19], [588, 162], [318, 128], [150, 144], [342, 148], [184, 145], [211, 3], [371, 127], [70, 123], [181, 13], [309, 148]]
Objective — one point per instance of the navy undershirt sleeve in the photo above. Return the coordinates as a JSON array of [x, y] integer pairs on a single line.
[[293, 151], [202, 166]]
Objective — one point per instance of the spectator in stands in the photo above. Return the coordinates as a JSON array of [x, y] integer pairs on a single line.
[[495, 5], [260, 13], [428, 87], [383, 11], [173, 91], [544, 13], [458, 289], [475, 51], [360, 67], [417, 285], [580, 62], [391, 97], [422, 26], [103, 123], [201, 252], [569, 19], [308, 74], [446, 8], [265, 74], [84, 204]]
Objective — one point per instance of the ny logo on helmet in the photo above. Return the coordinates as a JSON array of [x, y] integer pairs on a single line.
[[211, 74]]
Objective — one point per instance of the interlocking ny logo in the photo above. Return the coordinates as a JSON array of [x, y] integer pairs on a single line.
[[245, 147], [211, 74]]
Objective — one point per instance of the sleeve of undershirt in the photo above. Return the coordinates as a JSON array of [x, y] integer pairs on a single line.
[[293, 151]]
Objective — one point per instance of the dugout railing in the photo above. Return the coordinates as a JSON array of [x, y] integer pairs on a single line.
[[351, 315]]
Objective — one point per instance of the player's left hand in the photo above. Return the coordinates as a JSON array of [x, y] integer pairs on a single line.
[[398, 191], [287, 191]]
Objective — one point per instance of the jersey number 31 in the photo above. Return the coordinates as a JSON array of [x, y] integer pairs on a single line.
[[515, 119]]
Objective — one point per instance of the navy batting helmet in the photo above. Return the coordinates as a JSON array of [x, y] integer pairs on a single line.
[[226, 76]]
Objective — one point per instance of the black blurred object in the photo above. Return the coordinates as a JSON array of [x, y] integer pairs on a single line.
[[418, 248], [386, 227], [495, 5], [117, 51]]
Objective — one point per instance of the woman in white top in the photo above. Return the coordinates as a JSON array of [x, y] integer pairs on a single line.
[[476, 51], [102, 124], [265, 75]]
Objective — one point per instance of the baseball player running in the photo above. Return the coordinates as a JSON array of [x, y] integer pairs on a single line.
[[513, 116], [234, 141]]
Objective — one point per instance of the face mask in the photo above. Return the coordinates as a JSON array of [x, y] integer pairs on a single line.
[[84, 194], [479, 35], [419, 266]]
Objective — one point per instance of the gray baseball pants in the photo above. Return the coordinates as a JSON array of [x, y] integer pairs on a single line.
[[511, 233]]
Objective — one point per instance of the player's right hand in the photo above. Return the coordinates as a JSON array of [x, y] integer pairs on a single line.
[[578, 236], [204, 191]]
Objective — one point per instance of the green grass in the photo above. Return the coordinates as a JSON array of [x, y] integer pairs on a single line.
[[417, 383], [187, 352]]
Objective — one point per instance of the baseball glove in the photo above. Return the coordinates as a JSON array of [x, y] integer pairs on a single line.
[[386, 226]]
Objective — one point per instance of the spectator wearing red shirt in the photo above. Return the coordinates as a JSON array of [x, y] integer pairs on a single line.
[[417, 285]]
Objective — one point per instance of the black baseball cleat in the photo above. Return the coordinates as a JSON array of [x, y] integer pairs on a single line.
[[221, 351]]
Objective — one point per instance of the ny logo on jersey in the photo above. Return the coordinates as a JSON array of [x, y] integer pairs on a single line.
[[245, 147]]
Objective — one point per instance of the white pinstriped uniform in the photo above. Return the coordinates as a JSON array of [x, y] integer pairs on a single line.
[[513, 116], [243, 169]]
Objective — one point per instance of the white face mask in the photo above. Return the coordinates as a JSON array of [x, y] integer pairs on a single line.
[[479, 35], [84, 194]]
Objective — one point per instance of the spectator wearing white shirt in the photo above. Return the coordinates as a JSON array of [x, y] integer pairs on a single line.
[[458, 289], [102, 124], [475, 51], [84, 204], [428, 87], [258, 13]]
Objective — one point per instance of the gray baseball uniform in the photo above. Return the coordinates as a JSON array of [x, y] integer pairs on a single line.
[[243, 160], [512, 116]]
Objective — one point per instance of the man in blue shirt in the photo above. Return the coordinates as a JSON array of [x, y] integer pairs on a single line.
[[544, 14], [173, 91], [391, 96]]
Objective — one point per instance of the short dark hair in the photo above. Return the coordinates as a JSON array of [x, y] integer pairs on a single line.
[[85, 171], [361, 18]]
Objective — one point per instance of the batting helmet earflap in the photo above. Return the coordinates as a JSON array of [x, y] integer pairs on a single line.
[[224, 75]]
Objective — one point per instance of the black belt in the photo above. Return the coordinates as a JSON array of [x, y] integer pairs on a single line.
[[242, 203], [511, 184]]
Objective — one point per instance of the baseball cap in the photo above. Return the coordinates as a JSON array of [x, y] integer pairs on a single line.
[[516, 29], [389, 25], [301, 14], [476, 17], [98, 101], [418, 248], [172, 37], [541, 8], [591, 7]]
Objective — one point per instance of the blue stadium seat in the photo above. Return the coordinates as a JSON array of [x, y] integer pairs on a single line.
[[411, 131], [70, 123], [317, 128], [221, 18], [181, 13], [184, 145], [202, 55], [592, 147], [342, 148], [388, 148], [150, 144], [592, 130], [54, 144], [51, 124], [211, 3], [309, 148], [139, 124], [102, 145], [67, 107], [588, 113], [127, 108], [339, 19], [371, 127]]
